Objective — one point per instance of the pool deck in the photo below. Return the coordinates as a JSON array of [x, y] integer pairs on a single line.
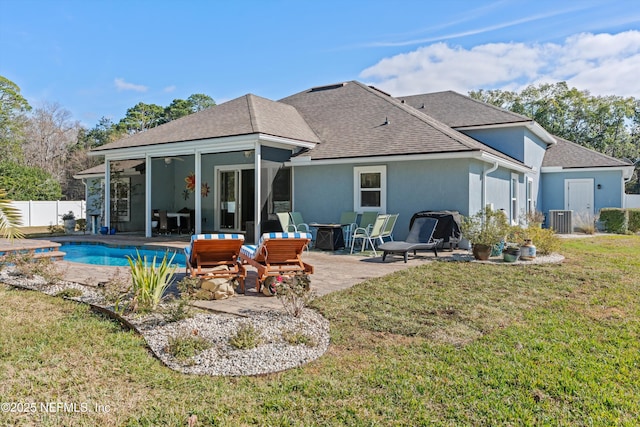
[[334, 271]]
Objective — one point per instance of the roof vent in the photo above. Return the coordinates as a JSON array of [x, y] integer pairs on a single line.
[[328, 87]]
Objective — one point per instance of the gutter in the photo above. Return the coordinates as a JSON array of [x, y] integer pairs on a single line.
[[486, 172]]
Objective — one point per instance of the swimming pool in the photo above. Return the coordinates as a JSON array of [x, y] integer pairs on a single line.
[[98, 254]]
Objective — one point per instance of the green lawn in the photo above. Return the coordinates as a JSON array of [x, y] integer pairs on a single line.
[[441, 344]]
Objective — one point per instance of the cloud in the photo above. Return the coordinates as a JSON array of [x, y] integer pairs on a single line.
[[169, 89], [122, 85], [604, 64]]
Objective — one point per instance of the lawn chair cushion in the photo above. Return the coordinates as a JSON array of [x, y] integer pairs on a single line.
[[251, 251], [217, 236]]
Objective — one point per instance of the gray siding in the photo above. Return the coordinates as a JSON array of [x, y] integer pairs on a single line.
[[321, 193], [610, 195]]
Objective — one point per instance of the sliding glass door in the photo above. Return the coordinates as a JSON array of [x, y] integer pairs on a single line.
[[234, 197]]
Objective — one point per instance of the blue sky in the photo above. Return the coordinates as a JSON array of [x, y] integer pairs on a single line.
[[98, 58]]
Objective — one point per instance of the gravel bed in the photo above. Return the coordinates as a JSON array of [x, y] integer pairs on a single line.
[[273, 354]]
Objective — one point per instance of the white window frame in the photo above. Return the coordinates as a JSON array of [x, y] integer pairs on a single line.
[[531, 207], [117, 184], [514, 198], [357, 190]]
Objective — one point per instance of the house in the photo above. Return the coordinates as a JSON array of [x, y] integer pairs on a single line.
[[345, 147]]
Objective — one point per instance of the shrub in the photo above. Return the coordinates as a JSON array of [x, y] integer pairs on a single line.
[[585, 223], [294, 292], [485, 227], [615, 220], [150, 282], [634, 220], [246, 337], [185, 345], [177, 310], [544, 239], [116, 288]]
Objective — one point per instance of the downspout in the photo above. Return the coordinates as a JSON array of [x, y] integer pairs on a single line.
[[486, 172]]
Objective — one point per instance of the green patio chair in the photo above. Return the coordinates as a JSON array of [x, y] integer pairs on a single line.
[[388, 228], [369, 235], [349, 222]]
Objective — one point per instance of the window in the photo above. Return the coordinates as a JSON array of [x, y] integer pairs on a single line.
[[530, 205], [370, 188], [120, 198], [514, 198]]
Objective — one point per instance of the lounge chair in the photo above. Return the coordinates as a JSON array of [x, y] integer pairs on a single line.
[[207, 253], [420, 238], [277, 254], [285, 222]]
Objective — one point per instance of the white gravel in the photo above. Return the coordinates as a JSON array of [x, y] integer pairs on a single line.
[[274, 354]]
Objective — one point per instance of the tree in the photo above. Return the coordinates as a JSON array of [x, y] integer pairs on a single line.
[[28, 183], [200, 102], [49, 136], [608, 124], [141, 117], [13, 108], [178, 108]]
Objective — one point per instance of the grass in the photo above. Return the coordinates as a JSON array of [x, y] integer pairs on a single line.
[[442, 344]]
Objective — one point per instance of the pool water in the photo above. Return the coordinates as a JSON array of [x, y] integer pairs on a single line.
[[97, 254]]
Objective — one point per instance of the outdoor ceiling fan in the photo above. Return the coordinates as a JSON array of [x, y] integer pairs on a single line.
[[168, 160]]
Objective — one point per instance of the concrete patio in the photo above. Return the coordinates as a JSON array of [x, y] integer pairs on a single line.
[[334, 271]]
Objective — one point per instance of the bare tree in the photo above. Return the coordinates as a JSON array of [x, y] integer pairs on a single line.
[[49, 135]]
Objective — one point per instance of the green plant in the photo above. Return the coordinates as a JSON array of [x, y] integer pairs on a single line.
[[55, 229], [116, 288], [634, 220], [69, 215], [545, 239], [189, 286], [150, 282], [178, 309], [185, 345], [297, 338], [246, 337], [615, 220], [9, 218], [485, 227], [294, 292]]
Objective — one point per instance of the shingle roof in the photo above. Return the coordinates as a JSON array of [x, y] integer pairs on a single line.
[[248, 114], [350, 120], [568, 154], [458, 110]]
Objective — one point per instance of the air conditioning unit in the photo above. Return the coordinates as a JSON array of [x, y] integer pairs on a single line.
[[561, 221]]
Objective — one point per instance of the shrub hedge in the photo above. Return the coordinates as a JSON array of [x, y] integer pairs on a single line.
[[634, 220]]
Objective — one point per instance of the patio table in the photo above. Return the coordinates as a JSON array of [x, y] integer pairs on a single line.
[[329, 236]]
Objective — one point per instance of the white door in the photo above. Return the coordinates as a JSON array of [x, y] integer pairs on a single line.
[[578, 196]]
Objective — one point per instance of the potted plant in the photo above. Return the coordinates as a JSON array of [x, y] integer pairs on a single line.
[[511, 252], [484, 230], [69, 220]]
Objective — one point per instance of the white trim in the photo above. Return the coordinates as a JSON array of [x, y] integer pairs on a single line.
[[482, 156], [357, 190], [216, 192], [204, 146], [513, 201], [627, 171]]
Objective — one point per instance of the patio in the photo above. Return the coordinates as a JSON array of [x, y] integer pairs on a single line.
[[334, 271]]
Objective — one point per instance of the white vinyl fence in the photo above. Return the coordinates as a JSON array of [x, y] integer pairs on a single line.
[[632, 201], [45, 213]]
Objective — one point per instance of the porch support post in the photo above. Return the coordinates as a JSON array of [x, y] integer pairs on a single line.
[[257, 196], [147, 197], [107, 194], [198, 194]]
